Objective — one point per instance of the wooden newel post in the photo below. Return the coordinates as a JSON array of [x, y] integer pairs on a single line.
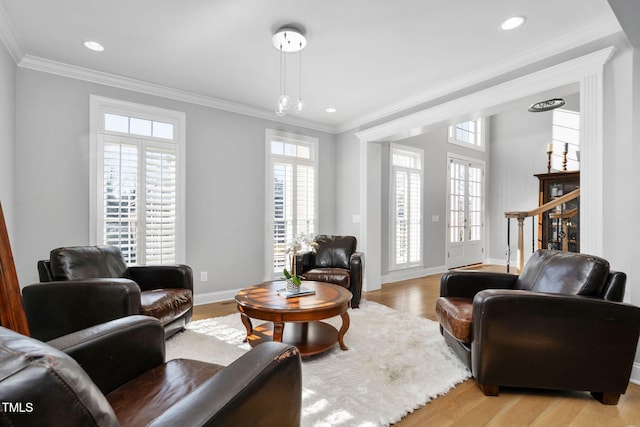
[[11, 312]]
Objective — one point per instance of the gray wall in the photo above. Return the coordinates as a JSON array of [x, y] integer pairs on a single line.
[[347, 195], [225, 179], [7, 139]]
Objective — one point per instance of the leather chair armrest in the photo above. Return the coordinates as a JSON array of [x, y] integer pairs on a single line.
[[161, 276], [44, 270], [54, 309], [557, 336], [355, 270], [115, 352], [465, 284], [263, 387]]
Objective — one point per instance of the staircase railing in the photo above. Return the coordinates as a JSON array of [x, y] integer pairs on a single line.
[[521, 215]]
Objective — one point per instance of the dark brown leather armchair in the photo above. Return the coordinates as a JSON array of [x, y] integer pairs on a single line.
[[84, 286], [559, 325], [334, 260], [114, 374]]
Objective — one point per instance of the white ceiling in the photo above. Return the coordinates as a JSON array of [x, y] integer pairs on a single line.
[[367, 58]]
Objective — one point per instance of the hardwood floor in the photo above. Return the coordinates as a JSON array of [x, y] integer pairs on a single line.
[[465, 405]]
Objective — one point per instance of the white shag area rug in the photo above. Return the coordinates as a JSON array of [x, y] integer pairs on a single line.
[[396, 362]]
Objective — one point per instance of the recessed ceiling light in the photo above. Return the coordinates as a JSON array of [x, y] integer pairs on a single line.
[[95, 46], [330, 110], [513, 23]]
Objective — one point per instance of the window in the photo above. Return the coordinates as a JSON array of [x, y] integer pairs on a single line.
[[292, 176], [406, 206], [468, 134], [566, 136], [137, 181]]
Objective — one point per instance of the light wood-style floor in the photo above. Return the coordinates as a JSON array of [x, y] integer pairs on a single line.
[[465, 405]]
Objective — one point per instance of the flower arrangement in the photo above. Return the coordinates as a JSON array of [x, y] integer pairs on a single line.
[[299, 242]]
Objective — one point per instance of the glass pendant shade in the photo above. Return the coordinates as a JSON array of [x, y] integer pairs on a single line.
[[299, 106], [285, 101], [280, 110]]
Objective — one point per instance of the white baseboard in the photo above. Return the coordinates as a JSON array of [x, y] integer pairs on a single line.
[[211, 297], [635, 373], [411, 273]]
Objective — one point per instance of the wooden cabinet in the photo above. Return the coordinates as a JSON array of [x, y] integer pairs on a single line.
[[559, 228]]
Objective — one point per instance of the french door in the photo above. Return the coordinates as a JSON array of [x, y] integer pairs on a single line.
[[465, 236]]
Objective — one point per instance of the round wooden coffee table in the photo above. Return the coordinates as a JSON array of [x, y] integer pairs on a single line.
[[301, 314]]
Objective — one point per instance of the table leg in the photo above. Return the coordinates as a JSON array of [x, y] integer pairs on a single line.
[[278, 329], [246, 321], [343, 330]]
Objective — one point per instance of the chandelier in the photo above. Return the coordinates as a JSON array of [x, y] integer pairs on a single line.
[[288, 39]]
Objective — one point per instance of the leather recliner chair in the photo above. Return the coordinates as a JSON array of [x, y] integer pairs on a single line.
[[561, 324], [334, 260], [113, 374], [82, 286]]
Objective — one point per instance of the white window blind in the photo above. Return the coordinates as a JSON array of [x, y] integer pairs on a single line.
[[120, 190], [292, 195], [139, 196], [406, 195]]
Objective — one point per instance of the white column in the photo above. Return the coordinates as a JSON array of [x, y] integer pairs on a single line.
[[591, 164]]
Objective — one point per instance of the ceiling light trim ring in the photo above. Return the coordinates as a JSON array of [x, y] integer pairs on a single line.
[[547, 105]]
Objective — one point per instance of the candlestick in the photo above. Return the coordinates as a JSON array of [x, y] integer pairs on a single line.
[[549, 153]]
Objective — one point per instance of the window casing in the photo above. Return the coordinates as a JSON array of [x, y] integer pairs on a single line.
[[469, 133], [137, 174], [405, 191], [292, 195]]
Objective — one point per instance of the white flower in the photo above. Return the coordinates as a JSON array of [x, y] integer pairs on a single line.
[[301, 241]]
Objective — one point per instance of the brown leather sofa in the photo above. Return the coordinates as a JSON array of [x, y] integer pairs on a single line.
[[114, 374], [82, 286], [559, 325], [334, 260]]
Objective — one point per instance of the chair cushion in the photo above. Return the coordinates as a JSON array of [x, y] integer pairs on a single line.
[[338, 276], [87, 262], [334, 251], [455, 314], [140, 401], [165, 304], [565, 273], [49, 386]]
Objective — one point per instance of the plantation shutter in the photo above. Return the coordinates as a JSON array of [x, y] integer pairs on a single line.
[[406, 191], [283, 212], [160, 206], [140, 200], [120, 191]]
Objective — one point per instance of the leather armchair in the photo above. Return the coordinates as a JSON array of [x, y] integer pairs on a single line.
[[82, 286], [113, 374], [334, 260], [561, 324]]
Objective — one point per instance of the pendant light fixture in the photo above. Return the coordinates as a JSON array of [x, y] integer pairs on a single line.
[[288, 39]]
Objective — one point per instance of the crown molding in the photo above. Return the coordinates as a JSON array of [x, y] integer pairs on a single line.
[[555, 76], [8, 36], [571, 40], [113, 80]]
